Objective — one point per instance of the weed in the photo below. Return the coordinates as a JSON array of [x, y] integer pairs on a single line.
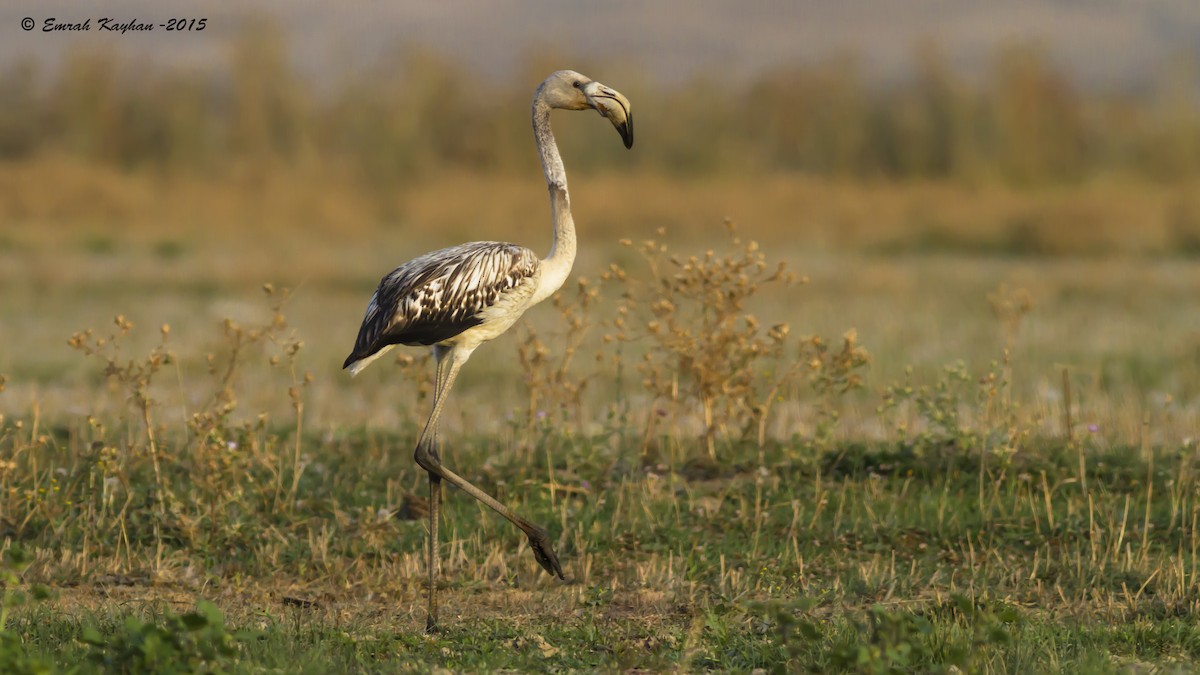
[[708, 347], [195, 642], [14, 658], [959, 635], [555, 388]]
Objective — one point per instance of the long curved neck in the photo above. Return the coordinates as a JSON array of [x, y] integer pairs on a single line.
[[557, 266]]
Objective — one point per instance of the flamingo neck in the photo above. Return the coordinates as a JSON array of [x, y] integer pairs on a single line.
[[557, 265]]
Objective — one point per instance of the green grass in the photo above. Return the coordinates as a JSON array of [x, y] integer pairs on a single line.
[[864, 557]]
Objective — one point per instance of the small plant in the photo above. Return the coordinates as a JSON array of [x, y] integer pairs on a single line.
[[954, 636], [888, 642], [13, 657], [938, 407], [940, 413], [1010, 307], [794, 632], [196, 642], [288, 346]]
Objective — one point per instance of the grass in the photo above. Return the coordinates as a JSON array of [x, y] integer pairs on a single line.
[[782, 502], [926, 556]]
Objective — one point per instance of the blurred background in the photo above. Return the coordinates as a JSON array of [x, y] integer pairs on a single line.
[[911, 159]]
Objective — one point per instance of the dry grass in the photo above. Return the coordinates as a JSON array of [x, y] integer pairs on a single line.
[[1104, 216]]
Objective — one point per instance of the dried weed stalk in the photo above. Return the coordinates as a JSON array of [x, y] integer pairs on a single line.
[[703, 343], [219, 470], [134, 377], [554, 387]]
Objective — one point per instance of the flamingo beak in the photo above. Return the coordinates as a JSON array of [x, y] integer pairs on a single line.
[[614, 106]]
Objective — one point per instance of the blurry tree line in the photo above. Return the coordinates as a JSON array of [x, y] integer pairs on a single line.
[[416, 113]]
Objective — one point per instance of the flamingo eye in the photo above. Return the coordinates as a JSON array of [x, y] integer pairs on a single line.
[[578, 84]]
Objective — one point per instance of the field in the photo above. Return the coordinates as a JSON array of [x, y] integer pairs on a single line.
[[973, 447], [849, 376]]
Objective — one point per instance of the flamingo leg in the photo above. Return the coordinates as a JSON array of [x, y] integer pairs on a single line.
[[435, 503], [428, 458]]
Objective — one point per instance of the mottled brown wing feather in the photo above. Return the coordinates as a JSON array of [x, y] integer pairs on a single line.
[[432, 298]]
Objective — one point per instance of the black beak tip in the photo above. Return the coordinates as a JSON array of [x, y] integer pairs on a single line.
[[626, 131]]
